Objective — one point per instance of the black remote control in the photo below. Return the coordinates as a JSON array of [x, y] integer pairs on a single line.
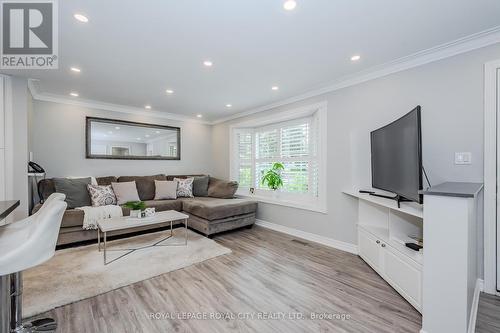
[[413, 246], [365, 191]]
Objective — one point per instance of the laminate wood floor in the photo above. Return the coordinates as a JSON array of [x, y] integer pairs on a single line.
[[267, 274], [488, 314]]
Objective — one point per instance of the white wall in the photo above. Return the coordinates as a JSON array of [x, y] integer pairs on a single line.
[[58, 144], [16, 101], [2, 138], [450, 92]]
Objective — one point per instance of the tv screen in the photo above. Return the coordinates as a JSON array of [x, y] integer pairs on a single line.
[[397, 157]]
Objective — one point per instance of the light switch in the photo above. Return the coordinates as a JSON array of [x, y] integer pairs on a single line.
[[463, 158]]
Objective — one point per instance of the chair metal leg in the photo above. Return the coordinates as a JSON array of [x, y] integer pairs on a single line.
[[16, 300], [16, 320], [5, 304], [40, 325]]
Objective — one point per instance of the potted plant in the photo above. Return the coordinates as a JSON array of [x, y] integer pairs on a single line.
[[136, 207], [272, 177]]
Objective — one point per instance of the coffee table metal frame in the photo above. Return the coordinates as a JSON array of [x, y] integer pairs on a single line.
[[132, 250]]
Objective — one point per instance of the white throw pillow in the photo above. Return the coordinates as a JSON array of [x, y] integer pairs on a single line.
[[165, 189], [101, 195], [184, 187], [125, 192]]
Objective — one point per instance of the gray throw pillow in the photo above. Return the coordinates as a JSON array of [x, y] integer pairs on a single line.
[[75, 190], [218, 188], [200, 186], [165, 189], [125, 192]]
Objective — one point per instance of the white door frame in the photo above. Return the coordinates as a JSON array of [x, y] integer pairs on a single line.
[[491, 70]]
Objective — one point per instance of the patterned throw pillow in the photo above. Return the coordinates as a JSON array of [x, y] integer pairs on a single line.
[[184, 187], [101, 195]]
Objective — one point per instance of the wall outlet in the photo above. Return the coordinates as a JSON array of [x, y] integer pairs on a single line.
[[463, 158]]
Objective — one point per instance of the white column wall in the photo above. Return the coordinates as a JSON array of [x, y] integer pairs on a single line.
[[2, 139], [15, 132]]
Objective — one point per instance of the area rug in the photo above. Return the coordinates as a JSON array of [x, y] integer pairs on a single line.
[[78, 273]]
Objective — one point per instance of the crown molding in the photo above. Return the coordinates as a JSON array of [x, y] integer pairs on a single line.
[[443, 51], [47, 97]]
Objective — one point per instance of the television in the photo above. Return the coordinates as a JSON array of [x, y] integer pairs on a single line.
[[396, 157]]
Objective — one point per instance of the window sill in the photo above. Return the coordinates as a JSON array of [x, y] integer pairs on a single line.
[[280, 202]]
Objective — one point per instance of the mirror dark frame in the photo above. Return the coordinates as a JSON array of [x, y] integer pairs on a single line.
[[88, 139]]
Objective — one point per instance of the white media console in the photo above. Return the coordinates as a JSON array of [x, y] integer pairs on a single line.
[[383, 230], [443, 281]]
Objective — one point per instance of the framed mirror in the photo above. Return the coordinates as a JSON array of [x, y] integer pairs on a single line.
[[127, 140]]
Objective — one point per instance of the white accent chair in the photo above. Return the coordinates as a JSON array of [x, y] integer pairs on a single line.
[[25, 244]]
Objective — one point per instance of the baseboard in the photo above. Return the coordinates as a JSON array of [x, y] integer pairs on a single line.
[[475, 304], [339, 245]]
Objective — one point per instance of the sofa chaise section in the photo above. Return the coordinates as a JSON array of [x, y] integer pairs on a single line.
[[213, 215]]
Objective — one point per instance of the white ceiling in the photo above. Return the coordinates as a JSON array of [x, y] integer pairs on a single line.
[[130, 52]]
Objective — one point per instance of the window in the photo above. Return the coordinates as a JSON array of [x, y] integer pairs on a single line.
[[294, 143]]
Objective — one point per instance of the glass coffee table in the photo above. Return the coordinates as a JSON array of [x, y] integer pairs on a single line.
[[127, 222]]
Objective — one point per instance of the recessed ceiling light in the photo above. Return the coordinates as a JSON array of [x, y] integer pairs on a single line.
[[147, 135], [207, 63], [290, 4], [138, 138], [169, 91], [74, 94], [229, 105], [199, 115], [117, 127], [147, 107], [355, 57], [157, 132], [76, 69], [81, 18], [275, 88]]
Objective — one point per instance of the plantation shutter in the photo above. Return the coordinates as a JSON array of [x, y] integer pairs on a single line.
[[266, 152], [295, 151], [314, 172], [245, 159], [293, 143]]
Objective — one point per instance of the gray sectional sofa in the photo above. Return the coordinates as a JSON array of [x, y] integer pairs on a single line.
[[217, 212]]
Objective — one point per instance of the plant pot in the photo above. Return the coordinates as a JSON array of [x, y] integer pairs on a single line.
[[135, 213], [276, 194]]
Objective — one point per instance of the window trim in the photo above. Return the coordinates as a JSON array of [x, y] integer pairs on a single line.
[[318, 109]]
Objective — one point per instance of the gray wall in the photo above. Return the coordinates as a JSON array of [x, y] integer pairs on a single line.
[[58, 144], [450, 92]]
